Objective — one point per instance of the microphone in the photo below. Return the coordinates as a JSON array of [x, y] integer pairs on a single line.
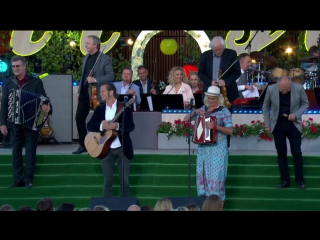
[[191, 103], [125, 99], [262, 30], [171, 88]]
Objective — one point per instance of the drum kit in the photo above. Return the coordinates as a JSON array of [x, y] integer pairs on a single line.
[[308, 77]]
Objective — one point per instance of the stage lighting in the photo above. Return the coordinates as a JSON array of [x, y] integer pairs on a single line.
[[4, 68]]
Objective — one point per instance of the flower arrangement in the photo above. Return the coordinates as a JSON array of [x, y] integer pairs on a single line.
[[257, 128], [178, 128], [310, 130]]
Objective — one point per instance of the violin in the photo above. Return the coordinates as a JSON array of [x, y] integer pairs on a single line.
[[224, 92], [46, 130], [94, 100]]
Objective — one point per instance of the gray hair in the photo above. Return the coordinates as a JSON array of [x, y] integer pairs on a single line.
[[217, 40], [181, 208], [96, 40], [220, 99], [18, 58]]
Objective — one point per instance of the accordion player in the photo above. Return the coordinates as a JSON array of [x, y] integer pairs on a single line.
[[203, 135], [25, 108]]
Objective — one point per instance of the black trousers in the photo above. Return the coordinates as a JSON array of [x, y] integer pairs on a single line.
[[83, 110], [23, 136], [115, 155], [281, 132]]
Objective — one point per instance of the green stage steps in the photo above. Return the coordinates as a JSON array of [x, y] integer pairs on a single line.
[[251, 183]]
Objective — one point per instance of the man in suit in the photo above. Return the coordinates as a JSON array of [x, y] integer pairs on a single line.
[[146, 85], [102, 73], [216, 59], [126, 86], [242, 81], [22, 135], [286, 97], [99, 122]]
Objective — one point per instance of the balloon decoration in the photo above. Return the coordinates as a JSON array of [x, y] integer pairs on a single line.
[[190, 68], [168, 46]]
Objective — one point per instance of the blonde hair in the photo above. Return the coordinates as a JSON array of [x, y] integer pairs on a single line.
[[213, 203], [163, 204], [171, 75], [220, 99]]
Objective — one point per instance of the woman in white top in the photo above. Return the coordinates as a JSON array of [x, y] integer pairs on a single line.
[[178, 84]]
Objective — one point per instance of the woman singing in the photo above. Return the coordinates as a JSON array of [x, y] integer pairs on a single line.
[[212, 159]]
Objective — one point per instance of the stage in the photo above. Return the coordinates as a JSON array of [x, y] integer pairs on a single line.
[[251, 181]]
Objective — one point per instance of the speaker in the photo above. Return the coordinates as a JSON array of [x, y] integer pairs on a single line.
[[183, 201], [114, 203]]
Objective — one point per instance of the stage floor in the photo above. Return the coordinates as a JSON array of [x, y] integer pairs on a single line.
[[69, 148]]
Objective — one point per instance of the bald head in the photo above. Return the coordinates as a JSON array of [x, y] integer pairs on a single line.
[[284, 84], [134, 208]]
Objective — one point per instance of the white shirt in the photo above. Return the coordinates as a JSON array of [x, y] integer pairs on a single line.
[[110, 113], [241, 87], [144, 86]]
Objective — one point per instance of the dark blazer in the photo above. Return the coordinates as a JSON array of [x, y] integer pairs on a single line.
[[103, 72], [99, 115], [206, 67], [149, 86], [34, 84]]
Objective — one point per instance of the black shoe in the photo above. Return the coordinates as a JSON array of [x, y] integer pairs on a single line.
[[28, 185], [14, 185], [80, 150], [301, 185], [284, 184]]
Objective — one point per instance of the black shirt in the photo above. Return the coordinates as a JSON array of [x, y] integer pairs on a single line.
[[284, 106], [89, 65]]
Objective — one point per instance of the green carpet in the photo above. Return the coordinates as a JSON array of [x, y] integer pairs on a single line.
[[251, 183]]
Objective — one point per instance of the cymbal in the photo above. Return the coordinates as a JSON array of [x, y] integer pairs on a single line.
[[268, 60], [309, 59]]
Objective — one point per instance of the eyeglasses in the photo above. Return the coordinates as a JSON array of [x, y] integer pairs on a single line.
[[16, 66]]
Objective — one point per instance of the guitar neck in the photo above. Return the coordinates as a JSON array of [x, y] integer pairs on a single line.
[[117, 115]]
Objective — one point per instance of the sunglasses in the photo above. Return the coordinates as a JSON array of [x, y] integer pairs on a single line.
[[16, 66]]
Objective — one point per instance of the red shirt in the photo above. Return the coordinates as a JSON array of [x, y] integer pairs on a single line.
[[23, 81]]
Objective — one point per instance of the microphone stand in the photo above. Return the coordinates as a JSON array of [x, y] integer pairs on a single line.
[[125, 100], [189, 148], [249, 44]]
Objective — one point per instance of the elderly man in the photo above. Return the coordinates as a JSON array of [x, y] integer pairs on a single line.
[[283, 107]]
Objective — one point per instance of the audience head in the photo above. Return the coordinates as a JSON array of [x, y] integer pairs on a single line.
[[45, 204], [284, 84], [25, 208], [6, 207], [67, 207], [193, 207], [181, 208], [146, 208], [164, 204], [213, 203], [86, 209], [100, 208], [134, 208]]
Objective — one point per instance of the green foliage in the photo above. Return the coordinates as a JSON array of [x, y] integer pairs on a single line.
[[257, 128], [58, 54], [191, 52], [119, 62]]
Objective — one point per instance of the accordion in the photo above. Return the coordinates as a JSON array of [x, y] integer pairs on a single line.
[[203, 135], [25, 108]]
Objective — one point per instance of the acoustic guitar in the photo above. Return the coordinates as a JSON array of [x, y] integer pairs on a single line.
[[98, 143], [46, 130]]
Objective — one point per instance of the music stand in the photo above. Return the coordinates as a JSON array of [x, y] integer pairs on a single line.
[[121, 97], [144, 106], [167, 101], [198, 100]]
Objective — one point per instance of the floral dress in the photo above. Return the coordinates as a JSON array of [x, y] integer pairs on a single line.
[[212, 159]]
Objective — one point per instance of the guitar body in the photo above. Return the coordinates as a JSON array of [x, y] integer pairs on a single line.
[[46, 130], [98, 144]]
